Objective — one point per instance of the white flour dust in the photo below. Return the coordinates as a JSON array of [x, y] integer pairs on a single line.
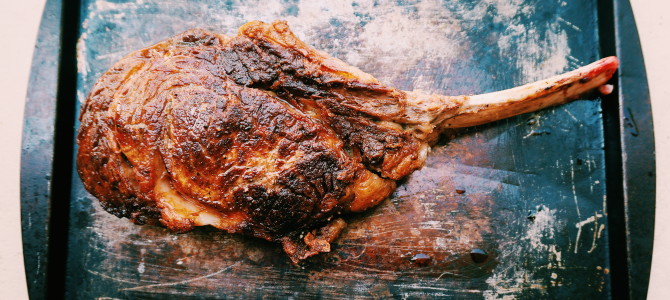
[[537, 241]]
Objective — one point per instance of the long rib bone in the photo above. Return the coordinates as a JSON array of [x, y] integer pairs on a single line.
[[485, 108]]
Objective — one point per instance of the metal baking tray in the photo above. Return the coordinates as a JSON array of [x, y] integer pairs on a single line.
[[561, 201]]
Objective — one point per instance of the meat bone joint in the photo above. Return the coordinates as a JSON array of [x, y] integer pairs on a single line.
[[262, 135]]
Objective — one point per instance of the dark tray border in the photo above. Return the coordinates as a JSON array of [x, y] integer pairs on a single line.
[[629, 138], [46, 167], [47, 154]]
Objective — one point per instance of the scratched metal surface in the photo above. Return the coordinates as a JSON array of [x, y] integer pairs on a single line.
[[528, 190]]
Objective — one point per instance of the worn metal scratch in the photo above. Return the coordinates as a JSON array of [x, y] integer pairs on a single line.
[[110, 277], [570, 114], [580, 225], [596, 235], [574, 188], [372, 246], [112, 253], [449, 273], [423, 287], [362, 252], [134, 260], [600, 230], [182, 281], [369, 268], [575, 61], [573, 26]]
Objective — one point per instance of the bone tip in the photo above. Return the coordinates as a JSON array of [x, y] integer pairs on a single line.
[[610, 62], [606, 89]]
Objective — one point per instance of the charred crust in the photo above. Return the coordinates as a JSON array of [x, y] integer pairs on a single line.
[[307, 194], [306, 244]]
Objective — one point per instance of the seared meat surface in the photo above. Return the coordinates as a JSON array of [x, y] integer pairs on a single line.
[[261, 135]]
